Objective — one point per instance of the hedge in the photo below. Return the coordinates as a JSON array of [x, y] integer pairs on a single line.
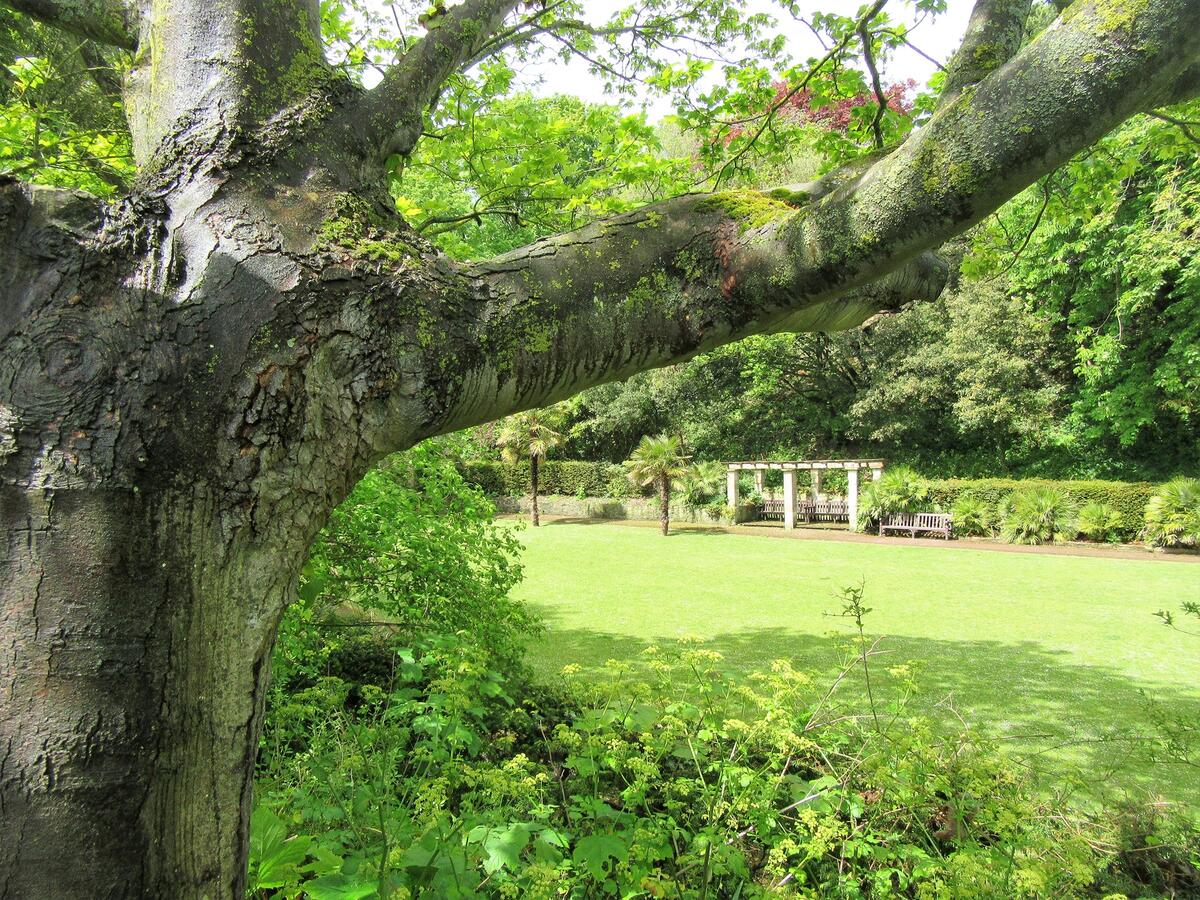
[[600, 479], [1127, 498], [567, 477]]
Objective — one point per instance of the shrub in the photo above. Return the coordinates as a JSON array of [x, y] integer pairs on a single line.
[[899, 490], [1098, 521], [973, 516], [413, 545], [1128, 499], [1173, 514], [1039, 515], [447, 778], [703, 483], [720, 511]]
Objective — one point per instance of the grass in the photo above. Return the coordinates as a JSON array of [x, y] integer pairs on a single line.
[[1050, 654]]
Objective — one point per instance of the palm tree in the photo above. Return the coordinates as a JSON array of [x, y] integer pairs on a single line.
[[530, 435], [656, 460]]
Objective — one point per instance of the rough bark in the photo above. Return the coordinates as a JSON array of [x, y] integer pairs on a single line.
[[664, 500], [191, 379]]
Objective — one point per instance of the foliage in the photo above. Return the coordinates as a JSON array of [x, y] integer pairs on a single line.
[[509, 168], [658, 461], [566, 477], [973, 516], [413, 546], [703, 482], [1128, 499], [1104, 250], [60, 116], [899, 490], [1098, 521], [1069, 355], [447, 778], [529, 435], [1173, 514], [1039, 515], [655, 460], [969, 384]]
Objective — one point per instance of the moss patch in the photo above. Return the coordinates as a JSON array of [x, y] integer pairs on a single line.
[[750, 209]]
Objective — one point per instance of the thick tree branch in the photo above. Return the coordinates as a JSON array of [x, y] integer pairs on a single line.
[[105, 21], [390, 116], [680, 277], [994, 35], [219, 67]]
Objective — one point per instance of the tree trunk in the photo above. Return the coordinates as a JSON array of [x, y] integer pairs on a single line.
[[664, 499], [135, 641], [533, 483]]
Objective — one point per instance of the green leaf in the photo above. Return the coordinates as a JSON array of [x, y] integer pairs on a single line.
[[275, 859], [502, 846], [595, 852], [340, 887]]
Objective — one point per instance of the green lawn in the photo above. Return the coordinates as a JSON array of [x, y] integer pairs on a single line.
[[1038, 650]]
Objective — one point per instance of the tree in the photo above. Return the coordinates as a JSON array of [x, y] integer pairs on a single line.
[[194, 375], [656, 461], [530, 435], [1105, 251]]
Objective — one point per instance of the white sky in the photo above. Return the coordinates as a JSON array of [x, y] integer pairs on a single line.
[[938, 38]]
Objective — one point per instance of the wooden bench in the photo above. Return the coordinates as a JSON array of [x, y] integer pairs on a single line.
[[933, 523], [823, 511]]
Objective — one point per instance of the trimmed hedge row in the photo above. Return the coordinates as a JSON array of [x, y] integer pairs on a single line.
[[1127, 498], [599, 479], [567, 477]]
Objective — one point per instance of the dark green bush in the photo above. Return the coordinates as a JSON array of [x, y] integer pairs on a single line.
[[566, 477]]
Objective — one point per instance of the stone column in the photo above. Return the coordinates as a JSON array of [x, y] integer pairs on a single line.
[[876, 474], [731, 488], [789, 498], [816, 485], [760, 481], [852, 497]]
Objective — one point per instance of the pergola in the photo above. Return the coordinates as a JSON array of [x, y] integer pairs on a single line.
[[790, 467]]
